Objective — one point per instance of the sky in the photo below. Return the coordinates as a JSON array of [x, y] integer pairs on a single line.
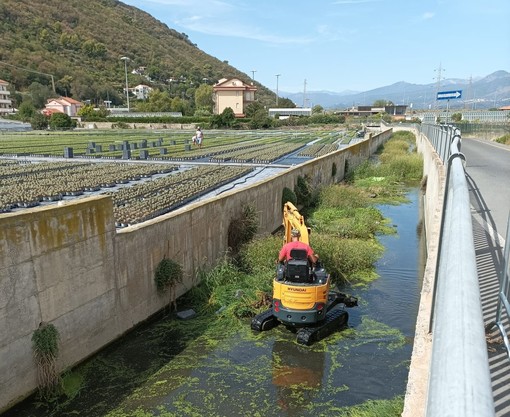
[[345, 45]]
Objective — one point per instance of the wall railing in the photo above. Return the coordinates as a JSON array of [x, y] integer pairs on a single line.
[[459, 375]]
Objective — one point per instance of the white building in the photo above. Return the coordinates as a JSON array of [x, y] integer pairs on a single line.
[[5, 99], [285, 113], [141, 91]]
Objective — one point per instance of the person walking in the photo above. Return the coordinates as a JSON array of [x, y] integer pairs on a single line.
[[199, 136]]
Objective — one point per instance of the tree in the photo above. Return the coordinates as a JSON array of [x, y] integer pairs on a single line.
[[253, 108], [317, 109], [39, 121], [86, 111], [60, 121], [456, 117], [26, 110], [260, 120], [158, 101], [286, 103], [179, 105], [204, 98], [228, 117], [382, 103], [39, 94]]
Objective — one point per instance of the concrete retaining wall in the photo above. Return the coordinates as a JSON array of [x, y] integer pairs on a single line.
[[67, 265], [433, 201]]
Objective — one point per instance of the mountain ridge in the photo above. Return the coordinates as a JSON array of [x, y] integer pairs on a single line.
[[492, 90], [80, 44]]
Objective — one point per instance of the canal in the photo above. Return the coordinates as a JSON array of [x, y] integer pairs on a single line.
[[160, 369]]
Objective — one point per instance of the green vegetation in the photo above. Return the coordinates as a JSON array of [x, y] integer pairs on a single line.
[[45, 346], [243, 228], [168, 273], [303, 191], [77, 46], [288, 195], [190, 359], [398, 165], [505, 140], [380, 408]]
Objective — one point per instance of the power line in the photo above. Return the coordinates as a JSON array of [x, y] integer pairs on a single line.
[[438, 82], [35, 72]]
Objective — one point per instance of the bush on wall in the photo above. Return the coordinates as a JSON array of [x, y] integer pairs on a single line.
[[45, 346], [288, 196], [167, 275], [243, 228]]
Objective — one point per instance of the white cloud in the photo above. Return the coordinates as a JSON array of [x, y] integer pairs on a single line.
[[228, 29], [428, 15]]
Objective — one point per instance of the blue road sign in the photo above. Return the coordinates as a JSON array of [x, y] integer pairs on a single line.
[[447, 95]]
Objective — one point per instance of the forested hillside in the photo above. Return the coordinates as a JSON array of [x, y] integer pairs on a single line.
[[80, 43]]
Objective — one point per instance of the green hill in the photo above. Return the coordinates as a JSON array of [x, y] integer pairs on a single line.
[[76, 46]]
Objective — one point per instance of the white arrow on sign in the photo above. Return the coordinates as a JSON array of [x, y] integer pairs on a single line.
[[449, 94]]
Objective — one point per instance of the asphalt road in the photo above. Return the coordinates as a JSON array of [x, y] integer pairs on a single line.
[[488, 174]]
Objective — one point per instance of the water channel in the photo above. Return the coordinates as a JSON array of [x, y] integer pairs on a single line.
[[157, 370]]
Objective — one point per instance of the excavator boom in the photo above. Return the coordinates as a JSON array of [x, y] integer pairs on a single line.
[[301, 292], [292, 219]]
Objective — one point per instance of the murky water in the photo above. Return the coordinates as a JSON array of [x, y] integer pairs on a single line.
[[157, 371]]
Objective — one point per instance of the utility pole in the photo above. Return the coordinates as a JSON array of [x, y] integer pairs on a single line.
[[304, 94], [126, 59], [277, 76], [253, 74], [470, 92]]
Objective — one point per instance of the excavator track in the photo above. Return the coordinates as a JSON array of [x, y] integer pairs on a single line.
[[264, 321], [335, 319]]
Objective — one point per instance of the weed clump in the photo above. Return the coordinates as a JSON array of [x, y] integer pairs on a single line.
[[45, 346], [167, 275]]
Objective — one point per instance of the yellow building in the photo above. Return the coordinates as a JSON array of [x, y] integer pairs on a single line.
[[233, 93]]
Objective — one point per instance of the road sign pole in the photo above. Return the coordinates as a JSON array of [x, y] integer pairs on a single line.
[[447, 109]]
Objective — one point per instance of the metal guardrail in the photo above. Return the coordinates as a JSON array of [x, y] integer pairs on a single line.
[[504, 293], [459, 377]]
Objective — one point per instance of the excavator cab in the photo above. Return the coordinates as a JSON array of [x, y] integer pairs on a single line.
[[298, 269], [301, 292]]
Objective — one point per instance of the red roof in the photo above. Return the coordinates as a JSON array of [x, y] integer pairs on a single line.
[[49, 112]]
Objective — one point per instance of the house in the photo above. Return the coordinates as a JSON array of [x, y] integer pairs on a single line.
[[5, 99], [141, 91], [233, 93], [66, 105]]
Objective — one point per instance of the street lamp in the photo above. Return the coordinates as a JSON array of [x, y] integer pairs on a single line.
[[126, 59], [277, 76]]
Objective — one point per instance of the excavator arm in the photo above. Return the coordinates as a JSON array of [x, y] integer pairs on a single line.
[[292, 219]]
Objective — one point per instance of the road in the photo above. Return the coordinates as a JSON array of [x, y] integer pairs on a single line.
[[488, 173], [488, 176]]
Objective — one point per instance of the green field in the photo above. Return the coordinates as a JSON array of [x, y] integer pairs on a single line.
[[139, 191]]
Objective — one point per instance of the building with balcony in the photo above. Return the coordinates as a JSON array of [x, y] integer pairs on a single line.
[[5, 98], [233, 93]]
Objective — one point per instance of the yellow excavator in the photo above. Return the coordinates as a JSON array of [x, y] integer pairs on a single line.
[[302, 298]]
